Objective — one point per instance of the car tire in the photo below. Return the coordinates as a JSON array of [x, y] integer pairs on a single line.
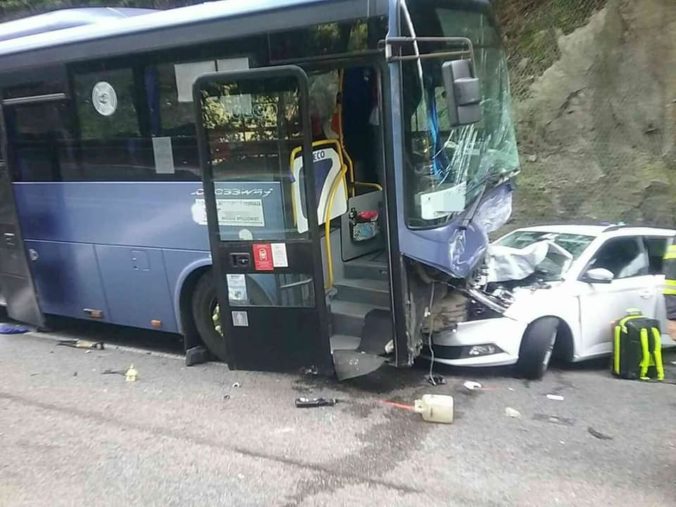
[[536, 348], [203, 304]]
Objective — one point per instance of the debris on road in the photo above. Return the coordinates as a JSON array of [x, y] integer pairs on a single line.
[[315, 402], [12, 329], [436, 380], [598, 434], [236, 385], [82, 344], [435, 408], [196, 355], [512, 412], [554, 419], [470, 385], [555, 397], [131, 375], [113, 372]]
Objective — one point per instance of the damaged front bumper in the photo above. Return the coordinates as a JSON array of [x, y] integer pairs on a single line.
[[489, 342]]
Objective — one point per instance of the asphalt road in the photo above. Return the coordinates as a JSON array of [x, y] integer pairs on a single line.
[[71, 435]]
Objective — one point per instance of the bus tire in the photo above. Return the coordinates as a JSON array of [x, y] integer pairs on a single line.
[[536, 348], [203, 304]]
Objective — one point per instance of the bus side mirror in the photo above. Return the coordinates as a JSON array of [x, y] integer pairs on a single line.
[[463, 93]]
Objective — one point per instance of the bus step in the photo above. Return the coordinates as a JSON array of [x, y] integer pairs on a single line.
[[344, 342], [366, 268], [354, 363], [347, 317], [374, 292]]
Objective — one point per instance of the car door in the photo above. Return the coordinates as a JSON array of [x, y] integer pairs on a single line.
[[656, 247], [633, 287]]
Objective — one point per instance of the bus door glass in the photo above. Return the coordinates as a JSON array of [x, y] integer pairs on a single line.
[[251, 126], [17, 289]]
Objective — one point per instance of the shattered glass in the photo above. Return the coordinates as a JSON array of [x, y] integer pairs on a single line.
[[467, 246], [525, 252], [465, 158]]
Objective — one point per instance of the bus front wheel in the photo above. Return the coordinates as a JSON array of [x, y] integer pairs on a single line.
[[206, 312]]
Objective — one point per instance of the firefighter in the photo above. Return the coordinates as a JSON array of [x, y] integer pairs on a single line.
[[670, 289]]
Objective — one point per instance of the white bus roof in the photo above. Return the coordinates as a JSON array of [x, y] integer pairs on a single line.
[[246, 16], [64, 19]]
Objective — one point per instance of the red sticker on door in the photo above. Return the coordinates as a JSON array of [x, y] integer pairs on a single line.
[[262, 254]]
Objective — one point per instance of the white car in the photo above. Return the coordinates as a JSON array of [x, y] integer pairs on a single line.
[[556, 289]]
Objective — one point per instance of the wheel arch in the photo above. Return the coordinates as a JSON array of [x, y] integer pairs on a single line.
[[564, 346], [185, 285]]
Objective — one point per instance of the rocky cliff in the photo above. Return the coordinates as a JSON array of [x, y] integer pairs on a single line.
[[597, 128]]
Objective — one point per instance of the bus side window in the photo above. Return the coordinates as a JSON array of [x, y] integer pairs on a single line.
[[172, 117], [111, 146], [127, 128], [40, 140]]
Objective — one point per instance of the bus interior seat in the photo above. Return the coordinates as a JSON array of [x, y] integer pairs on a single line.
[[328, 166]]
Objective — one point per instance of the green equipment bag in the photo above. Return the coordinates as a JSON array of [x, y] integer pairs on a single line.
[[637, 348]]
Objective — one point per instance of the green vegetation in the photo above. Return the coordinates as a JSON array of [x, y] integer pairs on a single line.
[[531, 29]]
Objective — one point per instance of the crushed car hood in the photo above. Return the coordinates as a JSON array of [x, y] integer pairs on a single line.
[[506, 264]]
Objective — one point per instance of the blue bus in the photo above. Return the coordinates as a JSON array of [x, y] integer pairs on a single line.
[[154, 173]]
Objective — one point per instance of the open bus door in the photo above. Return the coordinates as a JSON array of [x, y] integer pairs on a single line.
[[17, 290], [269, 276]]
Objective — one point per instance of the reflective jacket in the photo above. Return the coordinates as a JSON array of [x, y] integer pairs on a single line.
[[670, 283]]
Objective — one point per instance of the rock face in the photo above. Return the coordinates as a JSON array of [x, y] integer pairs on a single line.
[[598, 129]]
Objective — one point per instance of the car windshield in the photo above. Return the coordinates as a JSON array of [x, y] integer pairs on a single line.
[[564, 248]]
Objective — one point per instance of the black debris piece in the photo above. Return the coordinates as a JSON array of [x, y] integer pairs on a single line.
[[598, 434], [196, 355], [81, 344], [315, 402]]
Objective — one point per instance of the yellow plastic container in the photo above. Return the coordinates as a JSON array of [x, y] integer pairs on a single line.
[[435, 408]]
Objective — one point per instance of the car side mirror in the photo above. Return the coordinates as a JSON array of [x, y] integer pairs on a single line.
[[463, 93], [598, 275]]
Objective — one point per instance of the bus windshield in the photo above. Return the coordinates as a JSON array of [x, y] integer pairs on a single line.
[[464, 159]]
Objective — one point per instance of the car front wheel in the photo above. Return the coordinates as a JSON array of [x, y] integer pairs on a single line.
[[536, 348]]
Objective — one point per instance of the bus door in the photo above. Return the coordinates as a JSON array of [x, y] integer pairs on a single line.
[[17, 290], [269, 276]]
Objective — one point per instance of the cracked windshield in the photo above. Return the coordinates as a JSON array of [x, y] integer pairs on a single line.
[[286, 253], [449, 161]]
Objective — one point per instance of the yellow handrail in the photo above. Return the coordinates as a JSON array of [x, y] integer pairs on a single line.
[[327, 227]]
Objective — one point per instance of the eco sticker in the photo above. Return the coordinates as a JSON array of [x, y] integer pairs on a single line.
[[104, 98]]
